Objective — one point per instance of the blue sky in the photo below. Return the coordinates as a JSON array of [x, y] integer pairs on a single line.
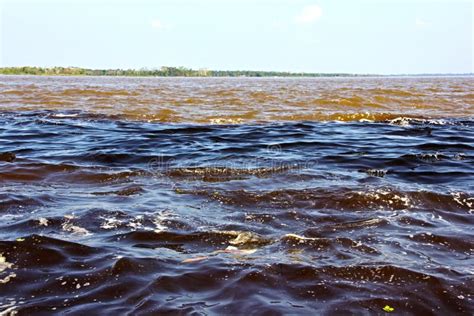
[[412, 36]]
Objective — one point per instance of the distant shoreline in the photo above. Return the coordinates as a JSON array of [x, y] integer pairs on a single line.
[[186, 72]]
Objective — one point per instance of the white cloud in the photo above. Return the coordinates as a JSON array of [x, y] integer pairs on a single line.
[[421, 23], [157, 24], [309, 14]]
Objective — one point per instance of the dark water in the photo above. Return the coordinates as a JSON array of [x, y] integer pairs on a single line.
[[103, 214]]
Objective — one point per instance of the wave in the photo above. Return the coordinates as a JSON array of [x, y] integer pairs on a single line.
[[173, 116], [161, 284], [37, 172], [336, 198], [224, 101]]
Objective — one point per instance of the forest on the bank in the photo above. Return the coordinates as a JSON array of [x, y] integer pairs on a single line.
[[160, 72]]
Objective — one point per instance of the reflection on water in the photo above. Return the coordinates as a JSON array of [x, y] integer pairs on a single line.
[[105, 209]]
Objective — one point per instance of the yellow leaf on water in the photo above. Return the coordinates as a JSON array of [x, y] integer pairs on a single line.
[[388, 309]]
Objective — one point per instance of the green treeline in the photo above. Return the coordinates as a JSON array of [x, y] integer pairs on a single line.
[[162, 72]]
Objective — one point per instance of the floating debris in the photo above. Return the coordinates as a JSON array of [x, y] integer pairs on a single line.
[[196, 259], [388, 308], [230, 249]]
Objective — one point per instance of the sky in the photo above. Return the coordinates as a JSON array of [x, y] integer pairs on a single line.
[[353, 36]]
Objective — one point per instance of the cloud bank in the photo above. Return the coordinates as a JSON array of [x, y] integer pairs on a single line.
[[157, 24], [309, 14]]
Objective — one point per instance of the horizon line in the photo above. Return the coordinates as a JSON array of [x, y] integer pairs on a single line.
[[202, 72]]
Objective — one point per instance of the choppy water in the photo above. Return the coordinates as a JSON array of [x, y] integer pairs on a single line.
[[123, 195]]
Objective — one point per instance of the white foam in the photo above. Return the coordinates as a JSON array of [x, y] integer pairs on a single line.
[[68, 226], [4, 265]]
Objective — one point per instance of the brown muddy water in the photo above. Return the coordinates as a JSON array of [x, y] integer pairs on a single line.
[[207, 196]]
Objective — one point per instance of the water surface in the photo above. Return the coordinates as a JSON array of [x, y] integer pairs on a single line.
[[221, 196]]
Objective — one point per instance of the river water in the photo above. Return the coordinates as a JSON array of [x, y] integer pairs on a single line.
[[236, 195]]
